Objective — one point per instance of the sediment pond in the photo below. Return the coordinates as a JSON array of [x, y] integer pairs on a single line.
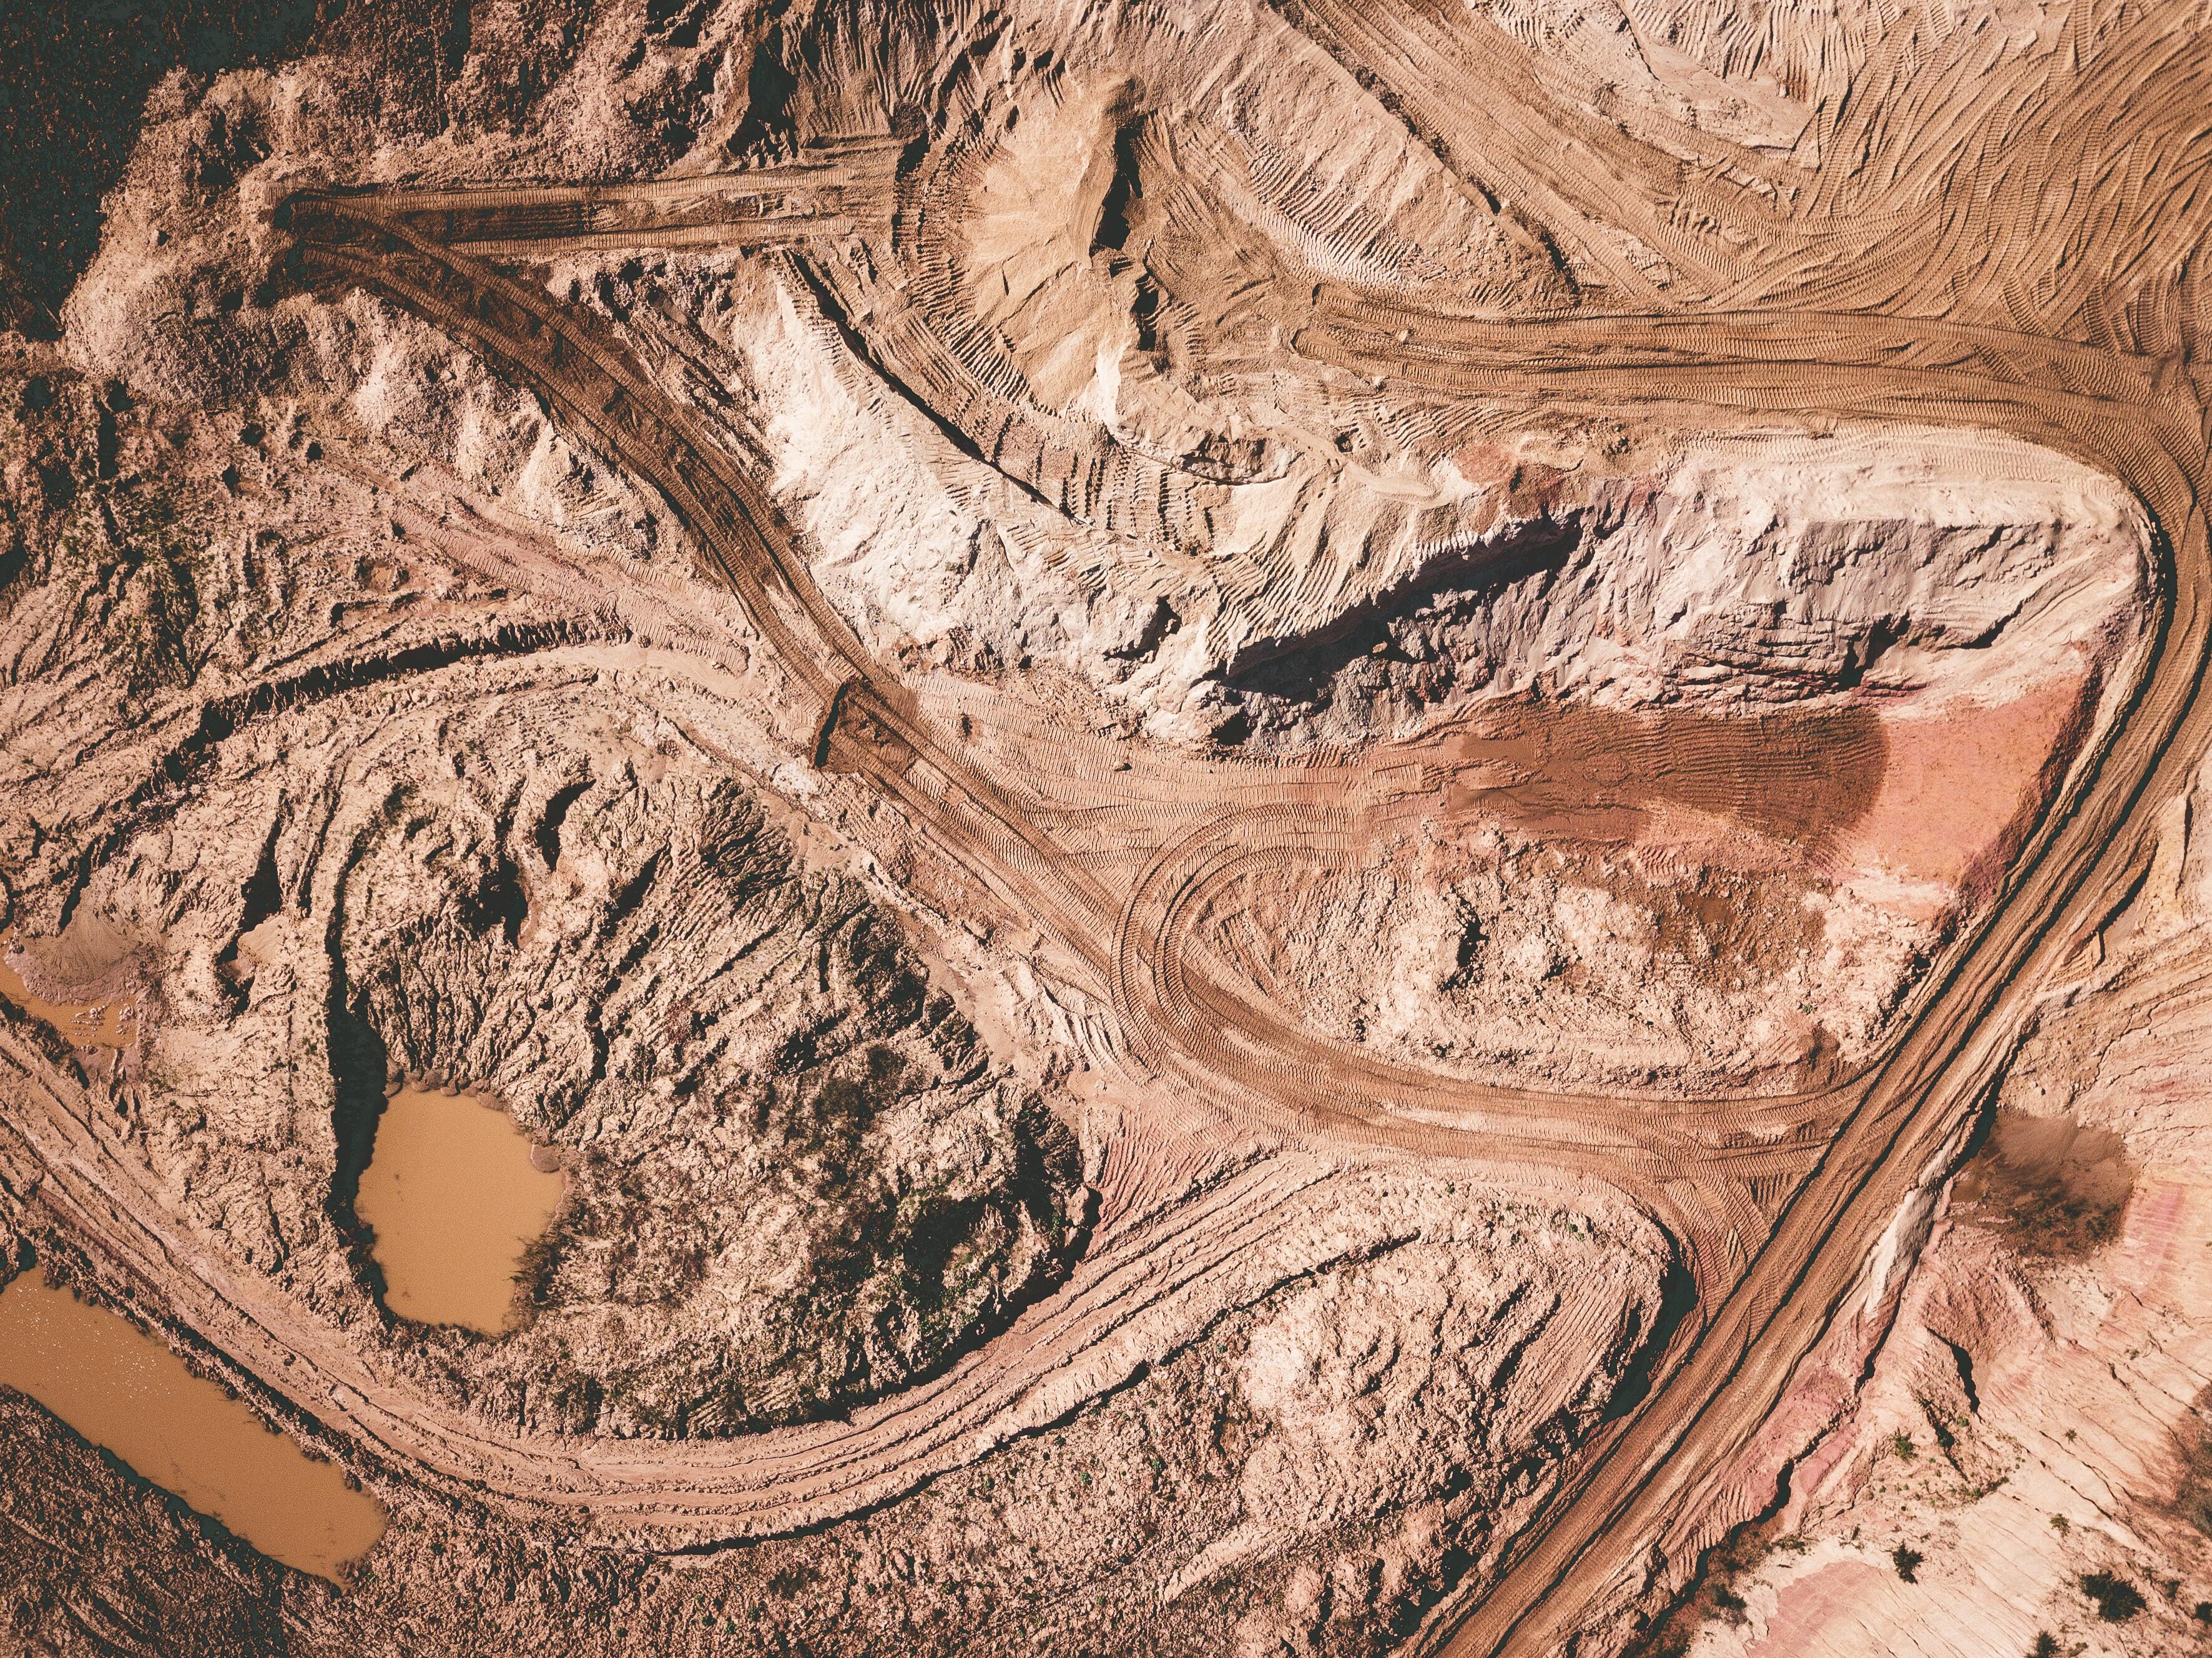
[[106, 1024], [455, 1197], [121, 1389]]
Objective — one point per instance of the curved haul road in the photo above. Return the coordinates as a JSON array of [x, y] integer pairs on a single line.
[[1883, 291]]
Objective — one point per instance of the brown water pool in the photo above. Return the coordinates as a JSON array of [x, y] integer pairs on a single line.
[[454, 1198], [121, 1389], [89, 1024]]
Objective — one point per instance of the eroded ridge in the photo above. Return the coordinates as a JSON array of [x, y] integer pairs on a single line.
[[1266, 416]]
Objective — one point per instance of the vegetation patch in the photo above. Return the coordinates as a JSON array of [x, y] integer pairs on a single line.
[[1718, 1593], [2192, 1496]]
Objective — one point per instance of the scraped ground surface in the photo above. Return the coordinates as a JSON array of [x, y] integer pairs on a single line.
[[1334, 827]]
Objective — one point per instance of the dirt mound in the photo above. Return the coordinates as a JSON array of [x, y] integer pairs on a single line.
[[2048, 1186], [1254, 795]]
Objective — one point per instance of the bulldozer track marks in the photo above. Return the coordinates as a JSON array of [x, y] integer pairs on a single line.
[[1963, 238]]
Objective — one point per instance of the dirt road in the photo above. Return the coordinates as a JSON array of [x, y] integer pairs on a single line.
[[2013, 253]]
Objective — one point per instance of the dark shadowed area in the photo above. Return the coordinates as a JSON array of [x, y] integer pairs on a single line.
[[74, 77]]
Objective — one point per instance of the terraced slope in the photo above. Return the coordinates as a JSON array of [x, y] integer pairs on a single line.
[[1094, 273]]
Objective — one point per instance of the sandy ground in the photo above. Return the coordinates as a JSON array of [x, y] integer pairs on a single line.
[[1259, 798]]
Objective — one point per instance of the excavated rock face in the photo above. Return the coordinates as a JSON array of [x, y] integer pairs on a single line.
[[797, 1179], [1178, 914]]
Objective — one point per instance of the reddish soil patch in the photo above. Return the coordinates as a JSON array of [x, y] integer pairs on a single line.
[[1801, 779], [1808, 1607], [1957, 781]]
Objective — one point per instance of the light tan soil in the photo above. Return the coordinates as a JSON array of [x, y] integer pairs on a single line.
[[1258, 797]]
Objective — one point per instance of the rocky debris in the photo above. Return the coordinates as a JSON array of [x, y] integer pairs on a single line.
[[2032, 1425], [364, 720], [1891, 568], [1502, 955]]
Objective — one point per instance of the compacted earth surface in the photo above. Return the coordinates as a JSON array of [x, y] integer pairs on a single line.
[[1090, 828]]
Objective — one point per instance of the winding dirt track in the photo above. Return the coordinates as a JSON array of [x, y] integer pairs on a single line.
[[2014, 252]]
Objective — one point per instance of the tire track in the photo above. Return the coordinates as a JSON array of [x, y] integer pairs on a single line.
[[1885, 291]]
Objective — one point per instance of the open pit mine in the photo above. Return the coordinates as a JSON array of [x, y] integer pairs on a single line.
[[1106, 828]]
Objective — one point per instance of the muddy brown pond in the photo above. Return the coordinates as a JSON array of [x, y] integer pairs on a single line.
[[91, 1024], [454, 1198], [119, 1388]]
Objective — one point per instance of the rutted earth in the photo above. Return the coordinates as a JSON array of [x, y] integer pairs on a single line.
[[2037, 1415], [1172, 975]]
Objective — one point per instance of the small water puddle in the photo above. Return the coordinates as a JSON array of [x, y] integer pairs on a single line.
[[454, 1196], [87, 1024], [121, 1389]]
